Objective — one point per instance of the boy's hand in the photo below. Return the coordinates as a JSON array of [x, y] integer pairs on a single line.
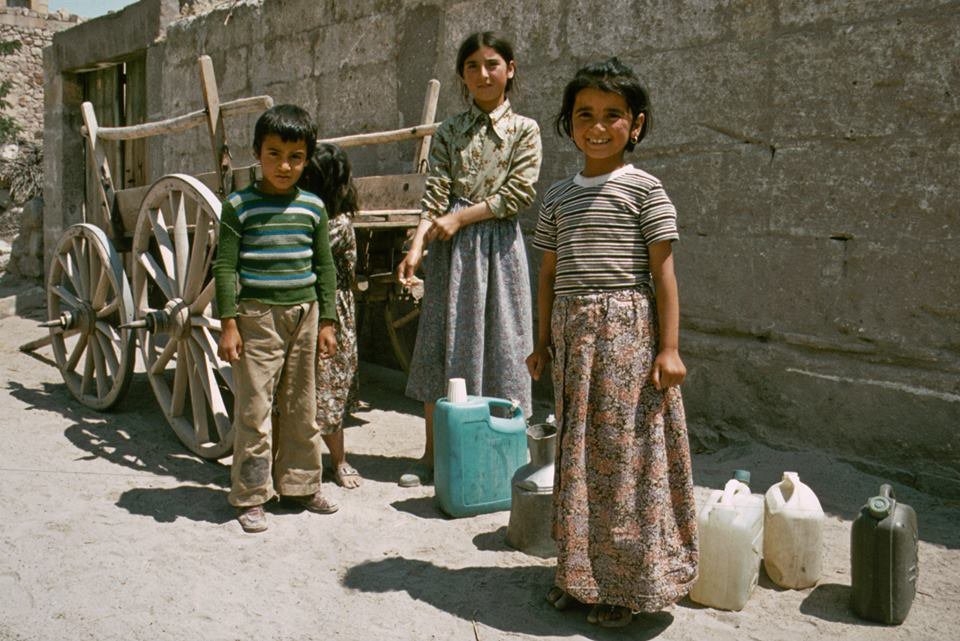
[[326, 340], [668, 369], [538, 360], [231, 345]]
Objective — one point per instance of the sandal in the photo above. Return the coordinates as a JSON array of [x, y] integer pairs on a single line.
[[346, 476], [610, 616], [316, 503]]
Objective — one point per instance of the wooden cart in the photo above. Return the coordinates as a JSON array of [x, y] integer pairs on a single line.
[[165, 236]]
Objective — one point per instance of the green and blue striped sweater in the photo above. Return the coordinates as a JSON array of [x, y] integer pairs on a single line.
[[278, 248]]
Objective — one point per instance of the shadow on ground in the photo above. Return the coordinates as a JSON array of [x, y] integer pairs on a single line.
[[510, 599]]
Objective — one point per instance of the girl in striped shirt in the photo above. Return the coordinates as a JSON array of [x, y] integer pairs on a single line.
[[624, 511]]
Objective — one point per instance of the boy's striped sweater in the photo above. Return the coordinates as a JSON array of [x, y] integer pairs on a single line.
[[279, 249]]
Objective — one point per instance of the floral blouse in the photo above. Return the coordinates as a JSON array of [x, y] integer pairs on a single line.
[[477, 156]]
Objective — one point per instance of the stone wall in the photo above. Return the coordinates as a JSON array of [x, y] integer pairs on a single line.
[[811, 149], [24, 69]]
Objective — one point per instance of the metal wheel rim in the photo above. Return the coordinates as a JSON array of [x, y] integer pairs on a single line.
[[173, 290]]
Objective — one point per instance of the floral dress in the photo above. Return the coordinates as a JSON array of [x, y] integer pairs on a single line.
[[337, 377]]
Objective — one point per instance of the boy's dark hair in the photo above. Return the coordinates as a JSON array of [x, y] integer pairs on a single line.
[[495, 41], [609, 75], [290, 122], [329, 176]]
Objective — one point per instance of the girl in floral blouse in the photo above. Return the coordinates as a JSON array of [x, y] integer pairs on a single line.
[[624, 511], [475, 320], [328, 175]]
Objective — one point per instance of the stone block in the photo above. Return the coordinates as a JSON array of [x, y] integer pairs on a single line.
[[282, 59], [827, 14], [364, 41], [891, 73], [356, 101]]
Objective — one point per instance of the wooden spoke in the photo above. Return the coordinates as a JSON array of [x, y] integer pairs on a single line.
[[78, 253], [181, 380], [150, 265], [199, 253], [107, 337], [66, 296], [181, 242], [204, 299], [199, 392], [164, 243], [69, 267], [78, 350], [109, 308], [160, 364], [173, 245], [94, 354]]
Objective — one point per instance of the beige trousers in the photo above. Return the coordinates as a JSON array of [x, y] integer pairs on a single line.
[[276, 440]]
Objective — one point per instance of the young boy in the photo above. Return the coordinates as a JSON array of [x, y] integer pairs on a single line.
[[274, 240]]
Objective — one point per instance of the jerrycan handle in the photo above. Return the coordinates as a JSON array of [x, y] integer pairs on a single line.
[[882, 506], [731, 489], [507, 425], [791, 480]]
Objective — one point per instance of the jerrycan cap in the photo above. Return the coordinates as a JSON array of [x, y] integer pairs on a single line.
[[742, 475], [881, 506]]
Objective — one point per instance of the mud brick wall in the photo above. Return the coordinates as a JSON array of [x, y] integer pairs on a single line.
[[811, 149]]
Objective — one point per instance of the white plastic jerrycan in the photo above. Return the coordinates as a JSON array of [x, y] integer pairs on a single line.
[[792, 534], [731, 536]]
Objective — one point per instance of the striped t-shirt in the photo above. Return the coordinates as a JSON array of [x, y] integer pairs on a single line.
[[278, 248], [600, 228]]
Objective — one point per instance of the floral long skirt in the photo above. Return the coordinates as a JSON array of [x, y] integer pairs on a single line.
[[624, 510]]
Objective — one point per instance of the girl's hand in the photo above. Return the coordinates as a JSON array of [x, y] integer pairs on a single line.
[[445, 226], [538, 360], [326, 339], [407, 270], [668, 370]]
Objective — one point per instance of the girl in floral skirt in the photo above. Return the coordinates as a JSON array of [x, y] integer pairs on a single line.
[[329, 176], [624, 511]]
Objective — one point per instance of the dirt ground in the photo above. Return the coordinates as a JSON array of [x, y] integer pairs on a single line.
[[112, 530]]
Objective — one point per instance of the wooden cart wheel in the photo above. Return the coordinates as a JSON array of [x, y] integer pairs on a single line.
[[400, 313], [88, 299], [173, 248]]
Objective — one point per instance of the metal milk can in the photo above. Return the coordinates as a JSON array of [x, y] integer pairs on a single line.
[[531, 511]]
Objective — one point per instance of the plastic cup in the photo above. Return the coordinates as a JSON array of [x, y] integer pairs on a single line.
[[457, 390]]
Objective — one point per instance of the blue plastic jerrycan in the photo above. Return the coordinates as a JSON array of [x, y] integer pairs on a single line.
[[478, 445]]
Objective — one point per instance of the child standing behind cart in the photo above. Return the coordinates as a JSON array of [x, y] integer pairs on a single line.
[[329, 176], [274, 242], [624, 512], [475, 320]]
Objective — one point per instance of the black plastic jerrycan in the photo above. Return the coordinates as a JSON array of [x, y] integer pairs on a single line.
[[883, 559]]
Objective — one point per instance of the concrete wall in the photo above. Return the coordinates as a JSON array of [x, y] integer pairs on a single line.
[[811, 149]]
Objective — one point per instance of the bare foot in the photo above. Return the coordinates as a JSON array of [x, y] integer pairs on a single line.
[[346, 476]]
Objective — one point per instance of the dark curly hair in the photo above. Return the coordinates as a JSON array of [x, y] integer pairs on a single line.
[[608, 75], [328, 175]]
